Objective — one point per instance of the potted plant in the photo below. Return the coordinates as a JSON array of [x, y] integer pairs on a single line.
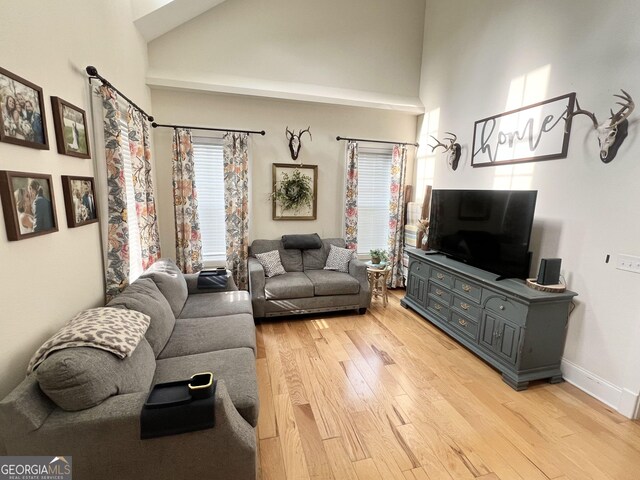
[[378, 255]]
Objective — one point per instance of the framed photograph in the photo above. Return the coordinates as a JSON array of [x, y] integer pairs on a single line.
[[70, 124], [295, 192], [79, 200], [528, 134], [22, 117], [28, 204]]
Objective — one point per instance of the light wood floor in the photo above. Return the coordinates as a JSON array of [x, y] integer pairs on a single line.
[[387, 395]]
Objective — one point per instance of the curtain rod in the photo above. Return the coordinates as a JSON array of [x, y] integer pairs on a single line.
[[93, 73], [211, 129], [376, 141]]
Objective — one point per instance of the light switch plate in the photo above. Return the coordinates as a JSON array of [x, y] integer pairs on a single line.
[[629, 263]]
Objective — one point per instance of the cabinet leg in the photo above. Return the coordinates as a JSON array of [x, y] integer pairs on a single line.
[[556, 379], [515, 384], [404, 305]]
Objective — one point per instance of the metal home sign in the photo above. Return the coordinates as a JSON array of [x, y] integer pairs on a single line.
[[35, 468], [535, 132]]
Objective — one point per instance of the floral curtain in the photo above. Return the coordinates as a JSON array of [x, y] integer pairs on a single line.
[[139, 148], [396, 214], [351, 197], [185, 202], [117, 254], [236, 201]]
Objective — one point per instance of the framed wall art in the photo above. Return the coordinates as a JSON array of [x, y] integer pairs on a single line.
[[22, 116], [532, 133], [70, 124], [295, 192], [79, 200], [28, 204]]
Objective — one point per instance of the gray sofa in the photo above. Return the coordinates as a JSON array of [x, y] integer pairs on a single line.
[[306, 287], [191, 331]]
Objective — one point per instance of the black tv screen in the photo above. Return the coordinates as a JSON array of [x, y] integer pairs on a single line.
[[489, 229]]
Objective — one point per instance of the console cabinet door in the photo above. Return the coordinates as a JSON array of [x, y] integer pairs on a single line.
[[417, 282], [500, 336]]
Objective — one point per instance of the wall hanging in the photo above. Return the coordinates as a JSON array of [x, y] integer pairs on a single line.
[[613, 131], [453, 148], [79, 200], [295, 192], [28, 204], [295, 142], [532, 133], [22, 117], [70, 124]]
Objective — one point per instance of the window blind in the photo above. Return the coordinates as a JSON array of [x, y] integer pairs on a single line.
[[209, 174], [374, 184]]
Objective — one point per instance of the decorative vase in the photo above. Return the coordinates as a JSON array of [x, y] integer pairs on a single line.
[[375, 260], [423, 243]]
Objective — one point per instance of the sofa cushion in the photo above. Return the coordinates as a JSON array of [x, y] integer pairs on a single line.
[[271, 263], [201, 335], [236, 367], [302, 242], [316, 259], [328, 282], [217, 303], [144, 296], [82, 377], [291, 259], [289, 285], [170, 282], [339, 259]]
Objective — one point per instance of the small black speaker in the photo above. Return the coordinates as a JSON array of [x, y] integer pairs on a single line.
[[549, 273]]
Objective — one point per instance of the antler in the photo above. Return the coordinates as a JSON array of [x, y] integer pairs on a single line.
[[439, 144], [289, 133], [579, 111], [622, 114], [451, 139], [306, 130]]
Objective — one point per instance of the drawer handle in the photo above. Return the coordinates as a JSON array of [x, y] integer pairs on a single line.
[[466, 288], [437, 306], [464, 306], [497, 334], [440, 276], [462, 322], [438, 292]]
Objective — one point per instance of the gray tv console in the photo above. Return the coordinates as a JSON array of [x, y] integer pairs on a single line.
[[518, 330]]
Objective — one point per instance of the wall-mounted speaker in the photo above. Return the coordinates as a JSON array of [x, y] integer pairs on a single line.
[[549, 272]]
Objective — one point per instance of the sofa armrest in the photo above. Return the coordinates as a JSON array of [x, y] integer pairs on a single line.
[[358, 270], [192, 285], [105, 443], [256, 287]]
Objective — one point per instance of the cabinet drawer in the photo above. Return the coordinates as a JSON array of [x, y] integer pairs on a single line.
[[419, 269], [468, 289], [507, 309], [440, 309], [464, 305], [464, 324], [440, 292], [441, 276]]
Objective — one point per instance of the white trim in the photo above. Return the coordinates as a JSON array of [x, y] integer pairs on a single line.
[[620, 399]]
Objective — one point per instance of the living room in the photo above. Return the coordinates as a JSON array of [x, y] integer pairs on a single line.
[[385, 71]]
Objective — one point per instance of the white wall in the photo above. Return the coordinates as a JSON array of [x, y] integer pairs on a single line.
[[228, 111], [47, 279], [364, 45], [480, 58]]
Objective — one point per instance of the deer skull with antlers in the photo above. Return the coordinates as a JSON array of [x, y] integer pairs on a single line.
[[612, 132], [453, 148], [294, 141]]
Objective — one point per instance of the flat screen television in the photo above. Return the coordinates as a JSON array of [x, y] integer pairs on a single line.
[[489, 229]]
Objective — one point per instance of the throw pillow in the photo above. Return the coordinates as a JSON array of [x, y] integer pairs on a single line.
[[302, 242], [339, 259], [271, 263]]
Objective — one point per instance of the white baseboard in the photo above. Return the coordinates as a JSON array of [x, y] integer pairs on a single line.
[[624, 401]]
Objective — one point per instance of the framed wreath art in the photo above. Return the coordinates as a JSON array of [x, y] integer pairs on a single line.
[[294, 195]]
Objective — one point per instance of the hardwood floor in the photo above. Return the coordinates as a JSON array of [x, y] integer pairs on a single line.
[[386, 395]]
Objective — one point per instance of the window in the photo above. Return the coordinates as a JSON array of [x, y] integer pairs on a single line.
[[209, 172], [135, 254], [374, 185]]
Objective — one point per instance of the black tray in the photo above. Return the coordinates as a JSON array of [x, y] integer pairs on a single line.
[[169, 394]]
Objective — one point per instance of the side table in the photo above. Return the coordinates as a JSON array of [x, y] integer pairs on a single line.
[[378, 277]]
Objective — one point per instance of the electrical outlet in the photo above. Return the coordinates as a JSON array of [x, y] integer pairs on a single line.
[[629, 263]]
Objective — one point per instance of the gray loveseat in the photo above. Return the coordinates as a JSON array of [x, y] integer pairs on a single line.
[[190, 332], [306, 287]]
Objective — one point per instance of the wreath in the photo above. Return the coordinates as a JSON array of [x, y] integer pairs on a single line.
[[294, 192]]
